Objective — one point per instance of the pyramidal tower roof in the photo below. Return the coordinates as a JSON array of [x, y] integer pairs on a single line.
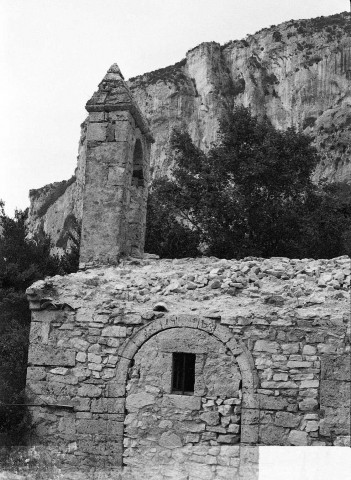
[[114, 95]]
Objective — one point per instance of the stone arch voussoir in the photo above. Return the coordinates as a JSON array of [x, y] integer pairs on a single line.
[[250, 403], [220, 332]]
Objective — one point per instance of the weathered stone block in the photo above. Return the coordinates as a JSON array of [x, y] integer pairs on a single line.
[[234, 347], [92, 357], [312, 426], [286, 419], [91, 426], [308, 404], [114, 331], [81, 404], [336, 367], [336, 421], [249, 400], [115, 389], [272, 403], [114, 428], [265, 346], [88, 390], [185, 343], [116, 175], [183, 402], [297, 437], [96, 132], [211, 418], [272, 435], [170, 440], [309, 350], [108, 153], [36, 373], [79, 344], [289, 348], [84, 315], [81, 357], [193, 427], [223, 333], [199, 471], [216, 428], [97, 117], [48, 316], [280, 377], [251, 416], [69, 379], [298, 364], [49, 355], [335, 393], [60, 371], [139, 400], [309, 384], [123, 132], [67, 426], [108, 405], [230, 439], [207, 325]]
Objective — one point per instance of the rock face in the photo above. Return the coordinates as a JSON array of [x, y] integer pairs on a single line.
[[298, 74]]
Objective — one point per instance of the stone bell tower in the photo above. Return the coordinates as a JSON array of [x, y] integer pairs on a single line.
[[117, 155]]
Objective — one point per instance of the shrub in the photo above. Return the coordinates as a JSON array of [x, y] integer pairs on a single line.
[[54, 195]]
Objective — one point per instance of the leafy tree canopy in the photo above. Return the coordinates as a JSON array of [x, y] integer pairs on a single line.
[[250, 195]]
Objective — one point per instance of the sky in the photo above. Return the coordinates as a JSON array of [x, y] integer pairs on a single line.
[[54, 53]]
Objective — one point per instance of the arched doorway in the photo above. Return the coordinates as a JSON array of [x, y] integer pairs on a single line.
[[136, 215], [177, 415], [137, 173], [156, 437]]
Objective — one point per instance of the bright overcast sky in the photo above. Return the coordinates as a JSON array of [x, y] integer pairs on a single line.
[[53, 54]]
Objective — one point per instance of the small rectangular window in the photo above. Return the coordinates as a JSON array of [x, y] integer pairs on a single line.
[[183, 373]]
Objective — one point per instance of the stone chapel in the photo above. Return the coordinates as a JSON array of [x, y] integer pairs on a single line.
[[157, 369]]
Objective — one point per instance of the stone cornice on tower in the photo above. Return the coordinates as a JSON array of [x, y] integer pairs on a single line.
[[114, 95]]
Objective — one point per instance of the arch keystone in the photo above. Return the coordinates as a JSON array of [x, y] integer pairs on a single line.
[[222, 333], [206, 325]]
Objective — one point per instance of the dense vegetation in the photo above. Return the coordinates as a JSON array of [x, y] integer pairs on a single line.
[[56, 193], [250, 195], [173, 73], [22, 262]]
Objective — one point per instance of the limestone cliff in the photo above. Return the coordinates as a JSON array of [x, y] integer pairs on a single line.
[[57, 207], [297, 73]]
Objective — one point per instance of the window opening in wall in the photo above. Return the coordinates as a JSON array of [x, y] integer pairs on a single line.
[[183, 373], [138, 176]]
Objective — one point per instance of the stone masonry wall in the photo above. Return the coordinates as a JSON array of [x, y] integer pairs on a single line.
[[284, 324], [109, 196], [159, 424], [114, 200]]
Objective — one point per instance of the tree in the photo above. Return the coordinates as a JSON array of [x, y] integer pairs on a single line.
[[250, 195], [166, 235], [327, 223], [22, 262]]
